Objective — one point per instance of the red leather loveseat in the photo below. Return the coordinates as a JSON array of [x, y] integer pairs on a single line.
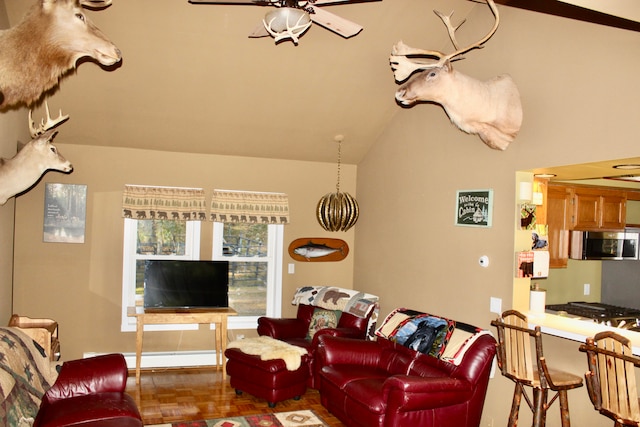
[[354, 321], [385, 383]]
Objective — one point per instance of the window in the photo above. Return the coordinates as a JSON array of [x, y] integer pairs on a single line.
[[152, 239], [254, 252]]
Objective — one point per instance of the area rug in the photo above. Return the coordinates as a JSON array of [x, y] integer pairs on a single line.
[[304, 418]]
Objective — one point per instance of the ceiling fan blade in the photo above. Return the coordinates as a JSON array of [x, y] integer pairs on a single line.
[[259, 31], [259, 2], [325, 2], [333, 22]]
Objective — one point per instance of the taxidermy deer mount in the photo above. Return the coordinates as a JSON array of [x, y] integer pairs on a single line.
[[45, 45], [38, 156], [490, 109]]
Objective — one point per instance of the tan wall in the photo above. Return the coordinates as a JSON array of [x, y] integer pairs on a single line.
[[80, 285], [9, 131], [576, 80], [577, 83], [13, 128]]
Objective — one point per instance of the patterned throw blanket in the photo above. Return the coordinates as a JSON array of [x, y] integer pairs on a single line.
[[430, 334], [349, 301], [26, 374]]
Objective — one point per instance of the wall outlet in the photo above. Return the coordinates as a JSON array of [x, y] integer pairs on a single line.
[[495, 305], [587, 289]]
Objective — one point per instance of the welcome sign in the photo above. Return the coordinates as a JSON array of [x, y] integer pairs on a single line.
[[474, 208]]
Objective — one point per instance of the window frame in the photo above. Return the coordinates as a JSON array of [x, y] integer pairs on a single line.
[[129, 258], [275, 250]]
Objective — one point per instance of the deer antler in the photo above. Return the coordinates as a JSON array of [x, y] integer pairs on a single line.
[[403, 67], [45, 126], [291, 32]]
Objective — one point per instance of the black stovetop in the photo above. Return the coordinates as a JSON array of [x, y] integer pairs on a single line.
[[595, 310]]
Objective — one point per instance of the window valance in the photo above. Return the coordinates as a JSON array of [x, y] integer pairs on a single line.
[[245, 206], [175, 203]]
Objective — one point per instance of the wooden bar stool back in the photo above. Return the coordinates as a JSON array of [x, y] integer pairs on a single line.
[[521, 359], [611, 378]]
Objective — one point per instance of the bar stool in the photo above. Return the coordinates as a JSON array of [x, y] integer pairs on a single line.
[[611, 378], [516, 363]]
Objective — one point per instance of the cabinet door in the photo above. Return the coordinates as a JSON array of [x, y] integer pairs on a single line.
[[614, 212], [598, 209], [586, 211], [558, 213]]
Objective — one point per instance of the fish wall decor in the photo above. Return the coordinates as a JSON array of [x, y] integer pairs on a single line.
[[318, 249]]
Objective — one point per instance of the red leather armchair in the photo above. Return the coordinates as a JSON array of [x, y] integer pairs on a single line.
[[382, 383], [294, 331], [90, 392]]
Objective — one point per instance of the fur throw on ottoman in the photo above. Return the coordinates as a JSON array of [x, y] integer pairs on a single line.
[[269, 349]]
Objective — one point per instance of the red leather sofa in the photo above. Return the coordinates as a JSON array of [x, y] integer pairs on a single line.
[[383, 383], [90, 392]]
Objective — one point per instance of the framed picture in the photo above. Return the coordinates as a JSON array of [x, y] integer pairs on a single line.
[[474, 208], [65, 209]]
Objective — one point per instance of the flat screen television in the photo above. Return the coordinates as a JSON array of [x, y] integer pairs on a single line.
[[172, 284]]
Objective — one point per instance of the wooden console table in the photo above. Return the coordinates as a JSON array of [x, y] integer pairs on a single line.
[[217, 316]]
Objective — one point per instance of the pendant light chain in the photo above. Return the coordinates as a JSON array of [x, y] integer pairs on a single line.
[[339, 162]]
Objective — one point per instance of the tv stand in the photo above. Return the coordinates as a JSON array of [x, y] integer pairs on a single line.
[[217, 316]]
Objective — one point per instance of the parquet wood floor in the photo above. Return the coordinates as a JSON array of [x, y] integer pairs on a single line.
[[170, 395]]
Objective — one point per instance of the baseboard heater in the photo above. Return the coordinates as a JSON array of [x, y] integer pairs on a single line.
[[167, 359]]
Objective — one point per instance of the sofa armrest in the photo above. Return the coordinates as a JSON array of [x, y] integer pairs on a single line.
[[347, 351], [337, 332], [282, 329], [100, 374], [419, 393]]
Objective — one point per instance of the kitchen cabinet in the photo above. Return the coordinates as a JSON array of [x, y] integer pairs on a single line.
[[598, 209], [633, 209], [570, 207], [558, 211]]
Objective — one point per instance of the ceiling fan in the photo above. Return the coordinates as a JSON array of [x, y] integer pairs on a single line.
[[291, 18]]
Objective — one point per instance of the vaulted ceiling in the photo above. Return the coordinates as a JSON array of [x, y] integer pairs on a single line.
[[191, 80]]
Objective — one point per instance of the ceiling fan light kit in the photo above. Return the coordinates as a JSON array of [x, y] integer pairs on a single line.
[[292, 18], [287, 23]]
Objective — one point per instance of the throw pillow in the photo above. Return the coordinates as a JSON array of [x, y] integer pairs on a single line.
[[322, 319]]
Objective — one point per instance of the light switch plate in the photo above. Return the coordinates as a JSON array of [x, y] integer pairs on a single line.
[[495, 305]]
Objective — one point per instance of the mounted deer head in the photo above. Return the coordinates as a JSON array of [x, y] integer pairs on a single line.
[[46, 44], [25, 169], [490, 109]]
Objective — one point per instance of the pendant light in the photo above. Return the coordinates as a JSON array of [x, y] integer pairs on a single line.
[[337, 211]]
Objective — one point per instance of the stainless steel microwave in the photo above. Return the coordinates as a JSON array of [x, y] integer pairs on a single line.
[[614, 245]]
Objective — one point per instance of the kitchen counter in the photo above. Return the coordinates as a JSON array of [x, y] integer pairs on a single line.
[[577, 329]]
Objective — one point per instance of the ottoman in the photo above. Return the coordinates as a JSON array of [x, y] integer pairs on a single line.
[[266, 379]]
